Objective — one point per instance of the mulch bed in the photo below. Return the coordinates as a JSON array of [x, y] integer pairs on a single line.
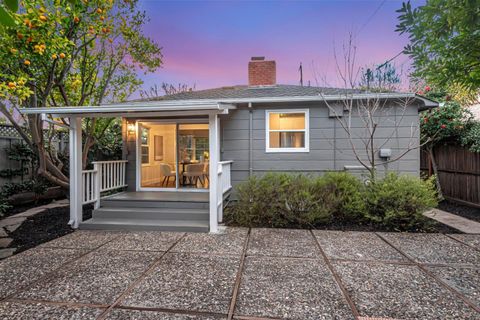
[[435, 227], [43, 227], [18, 209], [460, 210]]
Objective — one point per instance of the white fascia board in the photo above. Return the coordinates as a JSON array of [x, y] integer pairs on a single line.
[[217, 104], [152, 106]]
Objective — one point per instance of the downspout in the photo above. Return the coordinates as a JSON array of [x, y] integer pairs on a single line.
[[250, 137]]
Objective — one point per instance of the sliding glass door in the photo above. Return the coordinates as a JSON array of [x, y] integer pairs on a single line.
[[193, 155], [173, 156]]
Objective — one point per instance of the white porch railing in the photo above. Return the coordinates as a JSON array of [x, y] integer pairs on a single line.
[[224, 184], [105, 176]]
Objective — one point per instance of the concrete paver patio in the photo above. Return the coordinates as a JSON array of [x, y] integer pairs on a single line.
[[244, 274]]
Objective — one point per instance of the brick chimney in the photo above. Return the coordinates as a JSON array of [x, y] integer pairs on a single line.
[[261, 72]]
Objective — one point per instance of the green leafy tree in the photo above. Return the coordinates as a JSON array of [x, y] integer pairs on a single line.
[[71, 53], [444, 42]]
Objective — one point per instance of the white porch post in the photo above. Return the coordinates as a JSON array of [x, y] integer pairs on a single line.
[[76, 192], [214, 149]]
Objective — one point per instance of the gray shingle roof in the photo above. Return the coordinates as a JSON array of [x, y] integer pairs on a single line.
[[243, 91]]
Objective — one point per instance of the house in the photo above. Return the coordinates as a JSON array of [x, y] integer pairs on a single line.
[[184, 152]]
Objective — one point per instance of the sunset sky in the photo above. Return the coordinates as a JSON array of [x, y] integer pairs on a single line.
[[210, 43]]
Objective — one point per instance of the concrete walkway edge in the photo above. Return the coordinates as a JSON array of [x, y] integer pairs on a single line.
[[460, 223]]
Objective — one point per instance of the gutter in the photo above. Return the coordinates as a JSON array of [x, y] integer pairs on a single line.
[[217, 104]]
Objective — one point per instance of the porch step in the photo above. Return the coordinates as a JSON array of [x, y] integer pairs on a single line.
[[117, 203], [151, 213], [144, 225]]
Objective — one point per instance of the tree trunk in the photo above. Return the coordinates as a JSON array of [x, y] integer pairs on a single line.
[[435, 172]]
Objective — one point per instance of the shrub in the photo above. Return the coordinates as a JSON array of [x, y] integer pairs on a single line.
[[277, 200], [282, 200], [397, 202], [344, 192], [298, 201]]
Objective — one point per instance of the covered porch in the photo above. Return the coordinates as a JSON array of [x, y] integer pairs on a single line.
[[122, 203]]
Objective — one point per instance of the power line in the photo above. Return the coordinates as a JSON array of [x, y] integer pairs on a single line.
[[390, 60], [371, 16]]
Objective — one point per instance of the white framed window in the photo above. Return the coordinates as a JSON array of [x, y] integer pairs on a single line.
[[287, 130]]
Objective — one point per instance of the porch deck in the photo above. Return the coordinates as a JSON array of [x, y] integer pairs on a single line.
[[173, 196]]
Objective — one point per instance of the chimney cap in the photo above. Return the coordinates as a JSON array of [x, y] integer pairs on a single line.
[[258, 58]]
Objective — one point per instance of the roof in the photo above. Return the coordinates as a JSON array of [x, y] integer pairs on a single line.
[[221, 99], [244, 92]]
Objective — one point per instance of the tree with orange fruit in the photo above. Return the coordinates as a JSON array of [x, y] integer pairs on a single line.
[[70, 53]]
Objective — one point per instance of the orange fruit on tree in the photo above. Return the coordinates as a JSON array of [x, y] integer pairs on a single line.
[[62, 55], [99, 10], [12, 85], [43, 18], [26, 62], [13, 50], [76, 19], [54, 56]]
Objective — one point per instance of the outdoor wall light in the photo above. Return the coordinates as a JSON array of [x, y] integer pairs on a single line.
[[131, 128]]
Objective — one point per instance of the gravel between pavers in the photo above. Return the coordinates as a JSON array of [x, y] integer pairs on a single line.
[[399, 291]]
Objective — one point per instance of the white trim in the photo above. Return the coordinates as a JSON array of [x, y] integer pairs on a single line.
[[213, 141], [76, 192], [138, 184], [268, 149], [211, 104]]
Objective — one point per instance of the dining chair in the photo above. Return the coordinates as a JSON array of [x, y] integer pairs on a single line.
[[194, 172], [166, 172]]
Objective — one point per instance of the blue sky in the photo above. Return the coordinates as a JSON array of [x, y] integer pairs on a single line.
[[209, 43]]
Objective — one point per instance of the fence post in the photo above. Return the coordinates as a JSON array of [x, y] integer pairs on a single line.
[[98, 176]]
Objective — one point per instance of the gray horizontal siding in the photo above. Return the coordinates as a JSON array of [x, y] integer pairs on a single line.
[[330, 147]]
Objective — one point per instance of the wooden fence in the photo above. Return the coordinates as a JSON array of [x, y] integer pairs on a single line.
[[9, 137], [458, 172]]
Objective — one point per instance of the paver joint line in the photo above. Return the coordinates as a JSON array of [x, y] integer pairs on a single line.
[[50, 274], [464, 243], [430, 274], [238, 278], [139, 279], [172, 311], [337, 278]]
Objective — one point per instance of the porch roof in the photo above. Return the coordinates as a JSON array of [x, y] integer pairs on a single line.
[[134, 107]]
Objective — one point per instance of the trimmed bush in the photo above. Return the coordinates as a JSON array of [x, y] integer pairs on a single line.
[[345, 194], [277, 200], [337, 198], [397, 202]]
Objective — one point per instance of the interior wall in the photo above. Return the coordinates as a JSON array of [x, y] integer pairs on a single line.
[[151, 171]]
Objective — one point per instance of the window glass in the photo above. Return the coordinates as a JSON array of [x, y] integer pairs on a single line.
[[287, 139], [287, 131], [287, 121]]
